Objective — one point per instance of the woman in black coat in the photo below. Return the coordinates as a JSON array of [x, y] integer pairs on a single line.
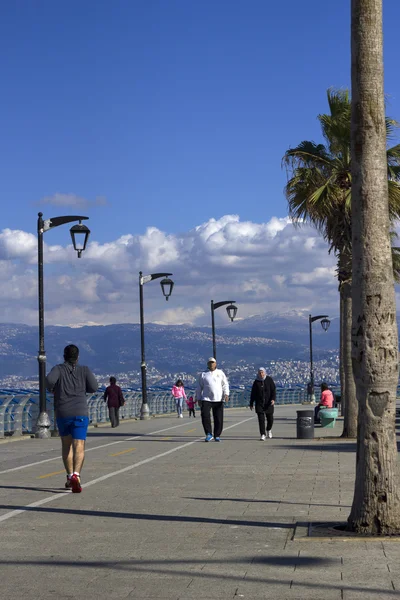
[[263, 396]]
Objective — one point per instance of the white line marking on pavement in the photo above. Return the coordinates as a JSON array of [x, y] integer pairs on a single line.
[[129, 439], [14, 513]]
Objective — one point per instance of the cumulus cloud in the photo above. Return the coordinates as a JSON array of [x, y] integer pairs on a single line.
[[72, 200], [271, 266], [17, 244]]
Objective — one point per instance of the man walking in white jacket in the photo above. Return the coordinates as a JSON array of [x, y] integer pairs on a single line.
[[211, 393]]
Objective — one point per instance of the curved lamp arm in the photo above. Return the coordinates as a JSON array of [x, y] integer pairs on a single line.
[[146, 278], [218, 304], [56, 221], [312, 319]]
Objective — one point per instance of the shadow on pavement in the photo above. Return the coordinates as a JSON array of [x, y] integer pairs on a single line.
[[326, 447], [166, 567], [52, 490], [144, 517], [283, 561], [249, 501], [106, 433]]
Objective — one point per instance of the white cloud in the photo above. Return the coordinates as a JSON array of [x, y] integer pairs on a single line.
[[17, 244], [179, 316], [270, 266], [72, 200], [321, 275]]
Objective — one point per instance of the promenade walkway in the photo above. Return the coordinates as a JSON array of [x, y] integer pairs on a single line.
[[165, 515]]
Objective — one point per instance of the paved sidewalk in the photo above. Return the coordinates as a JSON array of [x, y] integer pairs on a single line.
[[165, 515]]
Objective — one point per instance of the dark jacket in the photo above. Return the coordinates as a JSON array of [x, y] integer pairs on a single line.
[[70, 384], [262, 394], [113, 396]]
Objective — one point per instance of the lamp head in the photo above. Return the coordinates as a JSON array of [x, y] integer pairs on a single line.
[[325, 324], [231, 310], [166, 285], [80, 235]]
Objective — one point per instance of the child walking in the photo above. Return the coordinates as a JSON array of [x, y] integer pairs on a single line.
[[178, 392], [190, 404]]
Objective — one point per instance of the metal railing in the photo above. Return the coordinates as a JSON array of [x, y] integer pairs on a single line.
[[19, 409]]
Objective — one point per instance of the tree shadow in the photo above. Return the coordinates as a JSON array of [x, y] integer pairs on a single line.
[[168, 567], [344, 446], [107, 433], [250, 501], [282, 561], [52, 490], [149, 517]]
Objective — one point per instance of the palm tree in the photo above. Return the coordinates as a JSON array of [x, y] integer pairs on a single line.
[[319, 192], [376, 502]]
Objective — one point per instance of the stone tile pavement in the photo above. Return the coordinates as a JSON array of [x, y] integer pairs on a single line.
[[164, 515]]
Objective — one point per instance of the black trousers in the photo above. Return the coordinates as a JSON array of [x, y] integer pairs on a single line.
[[114, 416], [217, 409], [261, 421], [191, 410]]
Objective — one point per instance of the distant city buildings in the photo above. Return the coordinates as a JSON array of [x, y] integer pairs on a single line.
[[286, 373]]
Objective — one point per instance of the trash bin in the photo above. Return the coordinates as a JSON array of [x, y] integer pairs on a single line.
[[305, 424]]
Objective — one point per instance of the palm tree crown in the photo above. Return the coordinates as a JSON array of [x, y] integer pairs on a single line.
[[319, 185]]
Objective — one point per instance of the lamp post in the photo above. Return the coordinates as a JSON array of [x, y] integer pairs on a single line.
[[77, 232], [231, 310], [166, 286], [325, 322]]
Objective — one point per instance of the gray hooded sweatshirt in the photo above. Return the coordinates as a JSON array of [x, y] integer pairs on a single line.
[[70, 384]]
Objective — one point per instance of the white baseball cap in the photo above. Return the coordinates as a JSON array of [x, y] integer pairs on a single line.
[[211, 359]]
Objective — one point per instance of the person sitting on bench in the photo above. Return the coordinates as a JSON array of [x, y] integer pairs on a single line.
[[326, 401]]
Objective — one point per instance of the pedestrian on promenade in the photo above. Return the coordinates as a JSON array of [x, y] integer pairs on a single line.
[[70, 382], [212, 392], [263, 396], [326, 401], [190, 404], [115, 399], [178, 392]]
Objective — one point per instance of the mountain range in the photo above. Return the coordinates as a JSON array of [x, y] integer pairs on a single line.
[[183, 348]]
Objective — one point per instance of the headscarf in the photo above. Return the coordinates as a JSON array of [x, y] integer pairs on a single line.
[[259, 376]]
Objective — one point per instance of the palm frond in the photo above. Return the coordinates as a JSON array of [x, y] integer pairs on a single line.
[[318, 188], [396, 263]]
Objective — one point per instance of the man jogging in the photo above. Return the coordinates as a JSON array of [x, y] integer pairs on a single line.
[[212, 391], [70, 383]]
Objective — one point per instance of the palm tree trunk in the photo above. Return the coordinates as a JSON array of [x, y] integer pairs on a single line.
[[376, 503], [351, 404], [341, 355]]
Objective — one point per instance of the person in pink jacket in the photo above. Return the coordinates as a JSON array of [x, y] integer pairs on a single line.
[[190, 404], [178, 392], [327, 401]]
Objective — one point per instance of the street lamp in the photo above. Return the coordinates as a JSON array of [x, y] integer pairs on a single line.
[[166, 286], [43, 422], [231, 309], [325, 322], [80, 235]]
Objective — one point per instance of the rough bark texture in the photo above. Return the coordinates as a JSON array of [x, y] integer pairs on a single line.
[[351, 404], [341, 366], [376, 503]]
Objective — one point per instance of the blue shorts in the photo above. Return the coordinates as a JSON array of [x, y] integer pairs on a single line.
[[74, 426]]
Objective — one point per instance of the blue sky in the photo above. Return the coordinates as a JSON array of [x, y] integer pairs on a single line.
[[164, 113]]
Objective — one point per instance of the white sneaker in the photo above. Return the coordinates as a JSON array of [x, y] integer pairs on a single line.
[[262, 438], [269, 434], [181, 416]]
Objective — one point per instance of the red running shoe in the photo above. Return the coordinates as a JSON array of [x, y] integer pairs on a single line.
[[76, 484], [68, 483]]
